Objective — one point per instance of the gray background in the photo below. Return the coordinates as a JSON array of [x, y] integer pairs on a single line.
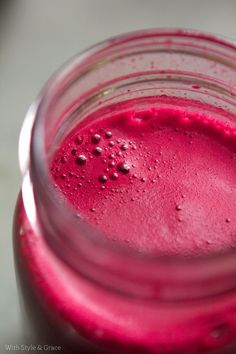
[[36, 36]]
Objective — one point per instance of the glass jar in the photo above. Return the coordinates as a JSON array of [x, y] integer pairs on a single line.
[[75, 295]]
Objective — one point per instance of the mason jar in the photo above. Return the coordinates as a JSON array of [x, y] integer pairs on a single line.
[[79, 292]]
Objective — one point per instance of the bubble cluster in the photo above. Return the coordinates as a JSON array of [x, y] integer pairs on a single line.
[[107, 164]]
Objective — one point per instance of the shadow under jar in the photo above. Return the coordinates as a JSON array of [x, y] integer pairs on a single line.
[[137, 256]]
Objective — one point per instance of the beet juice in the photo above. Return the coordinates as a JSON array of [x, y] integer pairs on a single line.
[[125, 228]]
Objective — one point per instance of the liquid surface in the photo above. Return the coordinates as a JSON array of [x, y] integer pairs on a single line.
[[156, 178]]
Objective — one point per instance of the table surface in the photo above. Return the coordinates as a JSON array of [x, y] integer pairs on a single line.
[[35, 38]]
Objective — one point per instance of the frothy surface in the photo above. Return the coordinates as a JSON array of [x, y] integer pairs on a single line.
[[156, 178]]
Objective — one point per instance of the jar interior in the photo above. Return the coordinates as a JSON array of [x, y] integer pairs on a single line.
[[167, 68]]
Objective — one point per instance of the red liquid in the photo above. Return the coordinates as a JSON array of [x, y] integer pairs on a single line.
[[168, 183], [177, 193]]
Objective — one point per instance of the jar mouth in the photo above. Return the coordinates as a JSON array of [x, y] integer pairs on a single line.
[[148, 274]]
